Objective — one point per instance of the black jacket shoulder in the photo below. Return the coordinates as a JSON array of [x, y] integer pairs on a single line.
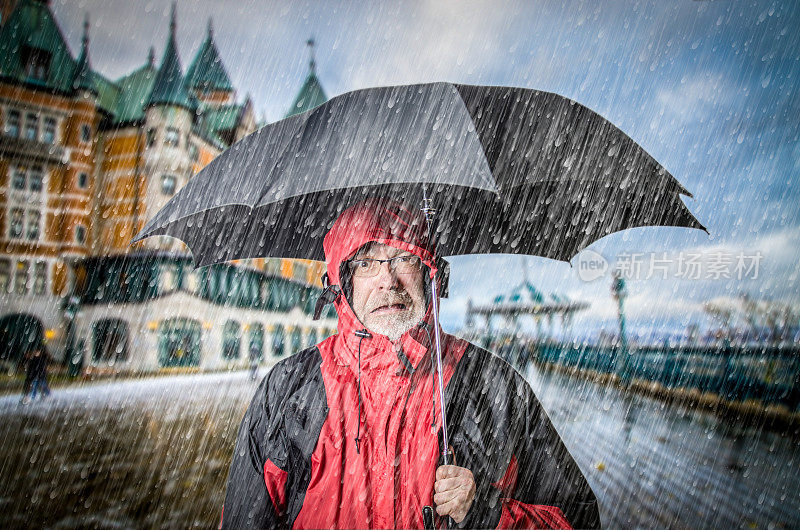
[[282, 425], [494, 417]]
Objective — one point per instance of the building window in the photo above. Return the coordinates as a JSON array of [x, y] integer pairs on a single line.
[[296, 340], [15, 227], [23, 178], [34, 219], [193, 152], [312, 338], [21, 277], [49, 131], [31, 126], [80, 234], [18, 178], [151, 137], [12, 123], [111, 337], [83, 181], [86, 133], [36, 63], [172, 136], [231, 339], [278, 341], [39, 278], [256, 348], [179, 342], [35, 179], [5, 275], [168, 184]]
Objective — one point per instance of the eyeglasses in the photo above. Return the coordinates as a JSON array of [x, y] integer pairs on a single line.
[[367, 267]]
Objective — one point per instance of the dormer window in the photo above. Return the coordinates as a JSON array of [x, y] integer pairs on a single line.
[[12, 123], [49, 132], [168, 184], [31, 126], [172, 136], [35, 179], [80, 234], [35, 63]]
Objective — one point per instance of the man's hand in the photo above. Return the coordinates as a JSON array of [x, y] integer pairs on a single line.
[[454, 490]]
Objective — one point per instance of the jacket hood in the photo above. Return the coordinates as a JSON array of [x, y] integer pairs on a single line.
[[394, 224], [380, 220]]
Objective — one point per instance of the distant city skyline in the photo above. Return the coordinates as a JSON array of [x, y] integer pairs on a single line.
[[710, 89]]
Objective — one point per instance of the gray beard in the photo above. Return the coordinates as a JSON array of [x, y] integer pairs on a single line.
[[395, 326]]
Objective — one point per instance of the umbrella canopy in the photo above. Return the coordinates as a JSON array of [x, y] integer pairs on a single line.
[[509, 170]]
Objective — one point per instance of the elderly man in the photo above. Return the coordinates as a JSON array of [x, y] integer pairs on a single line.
[[347, 434]]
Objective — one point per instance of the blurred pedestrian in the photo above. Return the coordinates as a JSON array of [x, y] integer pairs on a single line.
[[35, 374], [255, 355]]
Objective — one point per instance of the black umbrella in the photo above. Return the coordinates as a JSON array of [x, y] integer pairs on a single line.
[[509, 170], [506, 170]]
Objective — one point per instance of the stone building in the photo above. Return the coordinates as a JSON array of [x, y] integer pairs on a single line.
[[84, 162]]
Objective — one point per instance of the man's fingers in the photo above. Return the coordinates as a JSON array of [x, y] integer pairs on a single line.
[[447, 484], [445, 497], [447, 472], [446, 508], [454, 509]]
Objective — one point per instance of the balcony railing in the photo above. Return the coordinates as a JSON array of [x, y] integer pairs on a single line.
[[33, 150]]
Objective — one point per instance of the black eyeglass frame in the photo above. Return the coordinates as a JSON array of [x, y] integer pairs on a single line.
[[373, 269]]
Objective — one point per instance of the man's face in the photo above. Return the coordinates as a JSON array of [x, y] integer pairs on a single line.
[[390, 302]]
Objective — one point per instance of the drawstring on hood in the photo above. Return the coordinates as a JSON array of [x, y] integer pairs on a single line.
[[361, 334]]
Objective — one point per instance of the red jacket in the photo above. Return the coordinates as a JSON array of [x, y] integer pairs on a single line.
[[297, 462]]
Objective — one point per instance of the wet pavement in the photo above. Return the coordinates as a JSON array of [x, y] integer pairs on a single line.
[[655, 465], [155, 453]]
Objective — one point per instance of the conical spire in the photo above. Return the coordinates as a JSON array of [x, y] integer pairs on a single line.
[[83, 70], [168, 87], [207, 73], [85, 40], [311, 94], [312, 63]]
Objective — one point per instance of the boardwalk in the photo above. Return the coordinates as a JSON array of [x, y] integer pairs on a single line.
[[155, 452]]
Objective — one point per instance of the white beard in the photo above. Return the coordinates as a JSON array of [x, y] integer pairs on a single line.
[[395, 326]]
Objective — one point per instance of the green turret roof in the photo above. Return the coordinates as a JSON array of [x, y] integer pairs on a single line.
[[83, 79], [107, 93], [207, 72], [223, 117], [218, 123], [31, 32], [311, 94], [169, 87], [135, 89]]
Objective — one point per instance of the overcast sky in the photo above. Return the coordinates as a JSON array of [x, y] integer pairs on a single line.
[[709, 88]]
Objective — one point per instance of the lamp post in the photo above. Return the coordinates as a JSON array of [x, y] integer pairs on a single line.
[[619, 291]]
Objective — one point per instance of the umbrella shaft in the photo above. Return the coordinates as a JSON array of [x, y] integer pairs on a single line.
[[439, 371]]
